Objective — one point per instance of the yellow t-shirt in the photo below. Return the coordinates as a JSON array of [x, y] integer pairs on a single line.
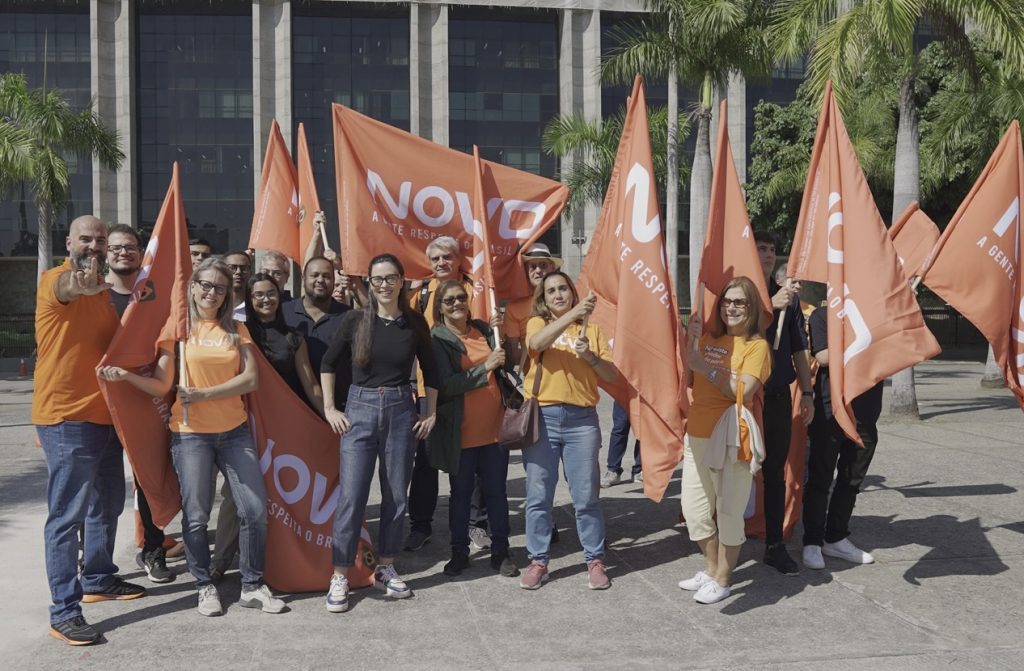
[[517, 315], [70, 341], [482, 409], [210, 360], [736, 354], [567, 378]]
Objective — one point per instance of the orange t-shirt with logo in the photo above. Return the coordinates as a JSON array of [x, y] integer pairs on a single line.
[[70, 341], [737, 355], [210, 359], [482, 409]]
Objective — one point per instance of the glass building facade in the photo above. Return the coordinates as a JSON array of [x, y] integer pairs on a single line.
[[194, 106], [40, 38], [354, 55]]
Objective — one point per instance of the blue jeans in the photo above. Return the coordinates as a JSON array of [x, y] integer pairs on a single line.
[[619, 439], [381, 426], [85, 488], [234, 453], [488, 466], [571, 435]]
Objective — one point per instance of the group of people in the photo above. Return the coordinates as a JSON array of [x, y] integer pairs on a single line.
[[410, 381]]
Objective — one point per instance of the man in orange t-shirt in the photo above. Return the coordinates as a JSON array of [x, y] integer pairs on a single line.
[[75, 322]]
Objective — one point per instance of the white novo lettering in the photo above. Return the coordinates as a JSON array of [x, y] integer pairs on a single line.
[[401, 208], [447, 206], [639, 182], [321, 508], [301, 487], [147, 263], [321, 505], [835, 220], [861, 331], [505, 229], [1011, 215]]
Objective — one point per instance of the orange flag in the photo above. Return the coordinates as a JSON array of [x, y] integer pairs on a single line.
[[976, 264], [309, 202], [626, 269], [275, 222], [913, 235], [397, 191], [729, 247], [303, 485], [875, 326], [158, 311], [480, 264]]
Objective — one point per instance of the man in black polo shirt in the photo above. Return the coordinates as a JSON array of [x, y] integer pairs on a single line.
[[789, 363], [827, 521]]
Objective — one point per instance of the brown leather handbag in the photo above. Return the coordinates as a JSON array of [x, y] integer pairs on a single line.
[[520, 425]]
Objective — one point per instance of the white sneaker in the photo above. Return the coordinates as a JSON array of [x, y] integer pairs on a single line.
[[711, 592], [610, 478], [696, 582], [386, 579], [479, 539], [813, 558], [337, 595], [209, 601], [845, 549], [262, 598]]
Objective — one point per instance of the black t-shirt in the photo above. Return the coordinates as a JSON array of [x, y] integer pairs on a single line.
[[867, 407], [120, 301], [318, 334], [395, 344], [279, 344], [792, 340]]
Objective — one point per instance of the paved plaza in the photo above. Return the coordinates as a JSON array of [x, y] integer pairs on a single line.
[[943, 514]]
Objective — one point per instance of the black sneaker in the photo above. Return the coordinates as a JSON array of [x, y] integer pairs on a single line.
[[776, 555], [458, 563], [504, 564], [119, 590], [154, 563], [75, 631], [416, 539], [554, 534]]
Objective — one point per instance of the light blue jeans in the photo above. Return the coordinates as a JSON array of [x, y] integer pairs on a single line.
[[571, 435]]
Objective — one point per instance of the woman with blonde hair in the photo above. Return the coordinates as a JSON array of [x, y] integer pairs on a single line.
[[731, 360]]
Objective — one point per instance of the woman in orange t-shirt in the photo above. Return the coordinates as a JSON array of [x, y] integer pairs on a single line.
[[734, 352], [464, 441], [220, 368]]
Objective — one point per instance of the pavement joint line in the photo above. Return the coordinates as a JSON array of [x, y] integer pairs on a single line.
[[482, 639], [952, 643]]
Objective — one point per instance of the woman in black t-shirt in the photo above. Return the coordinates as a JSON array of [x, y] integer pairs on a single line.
[[284, 347]]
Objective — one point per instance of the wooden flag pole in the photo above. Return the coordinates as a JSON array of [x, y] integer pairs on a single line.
[[182, 379], [782, 318], [494, 311]]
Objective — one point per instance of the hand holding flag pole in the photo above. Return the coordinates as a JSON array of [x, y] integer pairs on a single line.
[[782, 315]]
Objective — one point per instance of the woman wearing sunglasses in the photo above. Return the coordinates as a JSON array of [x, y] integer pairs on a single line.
[[220, 368], [380, 341], [731, 355], [464, 442]]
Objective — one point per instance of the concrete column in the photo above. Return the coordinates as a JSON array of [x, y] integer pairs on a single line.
[[112, 32], [271, 75], [736, 94], [428, 71], [579, 84]]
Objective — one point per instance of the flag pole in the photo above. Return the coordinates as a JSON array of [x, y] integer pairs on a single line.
[[782, 318], [182, 379], [494, 311], [323, 231]]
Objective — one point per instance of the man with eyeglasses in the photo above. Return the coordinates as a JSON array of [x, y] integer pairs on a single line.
[[200, 250], [789, 362], [74, 324], [240, 266]]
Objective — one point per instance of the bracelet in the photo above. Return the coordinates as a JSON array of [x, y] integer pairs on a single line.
[[809, 393]]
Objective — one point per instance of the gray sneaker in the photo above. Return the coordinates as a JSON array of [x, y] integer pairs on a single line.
[[479, 538], [209, 601], [261, 597], [610, 478]]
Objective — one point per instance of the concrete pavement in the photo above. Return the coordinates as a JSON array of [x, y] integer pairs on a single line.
[[942, 513]]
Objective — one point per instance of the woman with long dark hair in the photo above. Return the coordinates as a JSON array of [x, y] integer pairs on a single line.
[[569, 359], [380, 420], [733, 355], [220, 368]]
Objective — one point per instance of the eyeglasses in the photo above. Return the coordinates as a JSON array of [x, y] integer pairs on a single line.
[[740, 303], [235, 268], [117, 249], [380, 280], [261, 295], [207, 287], [452, 300]]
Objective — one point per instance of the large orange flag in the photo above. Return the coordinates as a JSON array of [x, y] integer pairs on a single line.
[[158, 311], [875, 326], [976, 264], [275, 222], [729, 247], [913, 235], [309, 201], [481, 270], [299, 461], [397, 192], [626, 268]]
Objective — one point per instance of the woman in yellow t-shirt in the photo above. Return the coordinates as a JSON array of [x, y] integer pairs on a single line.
[[570, 362], [734, 352], [220, 368]]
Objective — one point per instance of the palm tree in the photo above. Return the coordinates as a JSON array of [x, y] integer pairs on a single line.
[[37, 129], [597, 143], [851, 38], [698, 42]]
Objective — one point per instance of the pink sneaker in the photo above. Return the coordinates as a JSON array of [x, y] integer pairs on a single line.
[[598, 576], [535, 576]]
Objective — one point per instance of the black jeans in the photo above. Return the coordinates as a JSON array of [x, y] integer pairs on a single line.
[[422, 491], [828, 521], [778, 428], [482, 470], [153, 536]]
